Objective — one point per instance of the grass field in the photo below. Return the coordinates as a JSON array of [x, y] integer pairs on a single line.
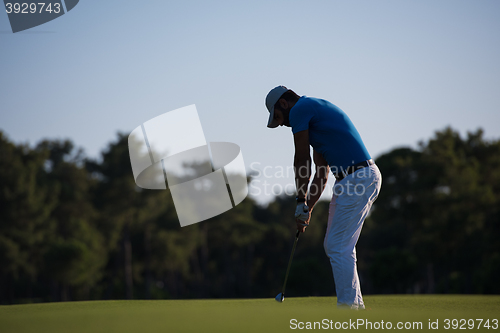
[[253, 315]]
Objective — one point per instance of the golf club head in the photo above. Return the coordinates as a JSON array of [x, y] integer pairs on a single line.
[[280, 297]]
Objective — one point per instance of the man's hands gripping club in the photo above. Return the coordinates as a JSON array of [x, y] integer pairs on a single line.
[[302, 216]]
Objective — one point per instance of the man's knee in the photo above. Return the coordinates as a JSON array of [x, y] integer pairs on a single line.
[[332, 250], [335, 251]]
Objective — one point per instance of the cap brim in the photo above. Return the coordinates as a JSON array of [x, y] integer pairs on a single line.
[[272, 123]]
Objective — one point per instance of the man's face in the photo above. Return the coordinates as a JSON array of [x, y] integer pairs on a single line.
[[281, 114]]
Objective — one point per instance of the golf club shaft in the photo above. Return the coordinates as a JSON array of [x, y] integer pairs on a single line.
[[290, 261]]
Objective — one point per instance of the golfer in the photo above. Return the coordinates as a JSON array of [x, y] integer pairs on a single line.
[[337, 146]]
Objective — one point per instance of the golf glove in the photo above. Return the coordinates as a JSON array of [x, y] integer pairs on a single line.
[[302, 212]]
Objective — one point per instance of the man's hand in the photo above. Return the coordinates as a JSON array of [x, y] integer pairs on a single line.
[[302, 212], [302, 216]]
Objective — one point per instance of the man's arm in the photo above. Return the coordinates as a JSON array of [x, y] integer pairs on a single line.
[[302, 162], [319, 180]]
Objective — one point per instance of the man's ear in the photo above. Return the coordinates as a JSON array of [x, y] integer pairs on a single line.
[[283, 104]]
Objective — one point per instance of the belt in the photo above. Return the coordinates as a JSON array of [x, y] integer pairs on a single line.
[[350, 169]]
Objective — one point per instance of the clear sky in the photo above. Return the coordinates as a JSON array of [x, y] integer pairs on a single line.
[[400, 69]]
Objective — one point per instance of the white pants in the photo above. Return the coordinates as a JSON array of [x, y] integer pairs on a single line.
[[352, 199]]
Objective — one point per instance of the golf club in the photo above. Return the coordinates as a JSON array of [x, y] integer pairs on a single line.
[[281, 296]]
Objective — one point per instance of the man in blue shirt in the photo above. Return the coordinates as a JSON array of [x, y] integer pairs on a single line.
[[337, 146]]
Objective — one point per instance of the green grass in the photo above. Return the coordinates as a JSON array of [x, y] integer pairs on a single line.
[[240, 315]]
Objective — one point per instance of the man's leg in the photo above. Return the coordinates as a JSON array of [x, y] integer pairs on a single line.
[[351, 202]]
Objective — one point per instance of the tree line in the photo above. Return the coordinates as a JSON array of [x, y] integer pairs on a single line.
[[74, 228]]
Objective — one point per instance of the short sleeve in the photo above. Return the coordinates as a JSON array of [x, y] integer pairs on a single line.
[[300, 116]]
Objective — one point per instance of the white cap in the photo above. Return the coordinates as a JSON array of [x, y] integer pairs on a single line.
[[271, 99]]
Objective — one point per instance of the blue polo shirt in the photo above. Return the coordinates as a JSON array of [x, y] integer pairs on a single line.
[[331, 132]]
